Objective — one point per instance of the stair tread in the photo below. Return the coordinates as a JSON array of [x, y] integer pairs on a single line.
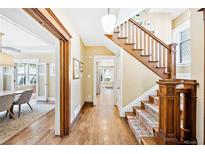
[[145, 55], [127, 114], [154, 99], [137, 49], [152, 61], [161, 67], [148, 141], [152, 108], [138, 129], [130, 43], [147, 116], [148, 120], [122, 37]]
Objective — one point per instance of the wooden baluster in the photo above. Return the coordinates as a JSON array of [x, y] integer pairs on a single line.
[[164, 56], [160, 54], [133, 34], [148, 45], [156, 51], [140, 39], [129, 32], [152, 56], [137, 38], [118, 28], [145, 45], [121, 30], [126, 29]]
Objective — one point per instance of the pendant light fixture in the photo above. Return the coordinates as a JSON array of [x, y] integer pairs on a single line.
[[108, 22]]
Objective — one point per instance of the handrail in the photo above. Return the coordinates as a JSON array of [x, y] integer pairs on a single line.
[[150, 34]]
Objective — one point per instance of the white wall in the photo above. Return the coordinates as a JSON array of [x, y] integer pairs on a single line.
[[76, 92], [161, 24], [197, 66], [127, 13]]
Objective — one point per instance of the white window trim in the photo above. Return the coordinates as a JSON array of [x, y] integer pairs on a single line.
[[26, 61], [176, 38]]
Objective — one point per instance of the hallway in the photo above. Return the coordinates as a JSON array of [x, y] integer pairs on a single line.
[[100, 124]]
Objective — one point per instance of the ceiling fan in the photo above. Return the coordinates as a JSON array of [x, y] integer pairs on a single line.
[[6, 47]]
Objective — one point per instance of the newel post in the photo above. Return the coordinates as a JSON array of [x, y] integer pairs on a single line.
[[172, 61], [168, 113]]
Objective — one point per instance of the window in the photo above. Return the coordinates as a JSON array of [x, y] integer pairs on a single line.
[[182, 36], [185, 47], [21, 74], [106, 75], [26, 74], [32, 74]]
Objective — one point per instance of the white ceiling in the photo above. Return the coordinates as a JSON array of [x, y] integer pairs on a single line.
[[87, 23], [19, 37], [174, 12]]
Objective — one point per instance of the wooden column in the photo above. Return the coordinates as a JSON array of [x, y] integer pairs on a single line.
[[172, 61], [49, 21], [168, 113]]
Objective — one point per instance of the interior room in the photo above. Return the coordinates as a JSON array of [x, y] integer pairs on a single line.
[[105, 75], [27, 78]]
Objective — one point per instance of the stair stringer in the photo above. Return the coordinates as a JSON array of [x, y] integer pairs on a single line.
[[137, 55]]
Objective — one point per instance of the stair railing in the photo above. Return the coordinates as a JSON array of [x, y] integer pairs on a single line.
[[161, 53]]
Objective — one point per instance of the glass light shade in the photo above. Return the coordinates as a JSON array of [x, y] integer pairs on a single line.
[[108, 23]]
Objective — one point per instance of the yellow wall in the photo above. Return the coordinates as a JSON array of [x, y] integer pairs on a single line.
[[6, 59], [137, 78], [82, 47], [197, 66], [90, 52], [180, 19]]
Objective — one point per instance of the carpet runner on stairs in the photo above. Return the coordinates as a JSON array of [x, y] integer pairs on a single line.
[[145, 119]]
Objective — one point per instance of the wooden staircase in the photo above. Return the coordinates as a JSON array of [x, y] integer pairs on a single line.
[[159, 120], [146, 47]]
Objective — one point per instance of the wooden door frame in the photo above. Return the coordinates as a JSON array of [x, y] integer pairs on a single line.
[[48, 20]]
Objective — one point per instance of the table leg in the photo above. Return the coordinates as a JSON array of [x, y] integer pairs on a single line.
[[12, 111]]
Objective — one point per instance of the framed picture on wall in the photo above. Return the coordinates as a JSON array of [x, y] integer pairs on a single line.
[[81, 66], [76, 69]]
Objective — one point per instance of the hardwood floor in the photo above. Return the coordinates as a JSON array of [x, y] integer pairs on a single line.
[[98, 124]]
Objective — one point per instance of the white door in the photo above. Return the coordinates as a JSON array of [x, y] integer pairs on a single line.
[[42, 82], [1, 79], [117, 83]]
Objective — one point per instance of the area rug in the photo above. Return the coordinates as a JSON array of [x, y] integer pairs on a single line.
[[10, 127]]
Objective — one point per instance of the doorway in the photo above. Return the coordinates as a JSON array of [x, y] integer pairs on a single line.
[[105, 81]]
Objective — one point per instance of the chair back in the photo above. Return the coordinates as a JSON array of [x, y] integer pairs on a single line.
[[25, 97], [6, 102]]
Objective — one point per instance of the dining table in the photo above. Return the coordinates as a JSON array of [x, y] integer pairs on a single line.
[[8, 92]]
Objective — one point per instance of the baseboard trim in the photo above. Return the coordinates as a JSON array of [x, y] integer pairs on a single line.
[[89, 103], [75, 120]]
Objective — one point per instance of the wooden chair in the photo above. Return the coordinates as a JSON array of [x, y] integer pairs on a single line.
[[23, 99], [5, 104]]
